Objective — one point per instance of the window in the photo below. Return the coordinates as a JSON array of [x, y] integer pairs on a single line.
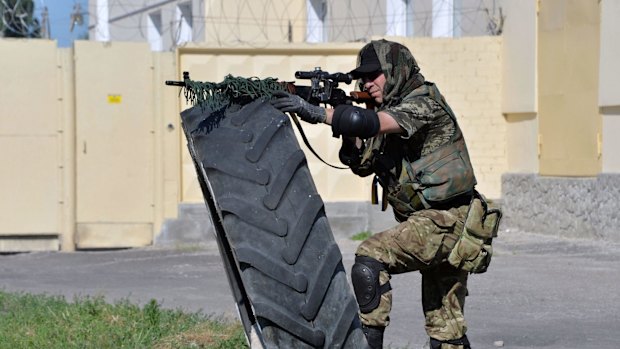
[[409, 11], [399, 17], [446, 18], [315, 29], [102, 27], [184, 23], [154, 31]]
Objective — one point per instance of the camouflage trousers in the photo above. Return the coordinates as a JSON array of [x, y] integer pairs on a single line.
[[423, 243]]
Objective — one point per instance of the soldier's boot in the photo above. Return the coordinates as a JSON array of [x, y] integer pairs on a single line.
[[374, 336], [461, 343]]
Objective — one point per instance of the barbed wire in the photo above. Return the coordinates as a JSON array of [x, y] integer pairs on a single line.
[[363, 19], [17, 17]]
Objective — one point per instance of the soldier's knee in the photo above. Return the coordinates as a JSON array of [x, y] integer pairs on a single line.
[[365, 278], [365, 247]]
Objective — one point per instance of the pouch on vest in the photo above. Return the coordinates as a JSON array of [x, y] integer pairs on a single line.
[[404, 200], [473, 251], [437, 178], [444, 174], [440, 177]]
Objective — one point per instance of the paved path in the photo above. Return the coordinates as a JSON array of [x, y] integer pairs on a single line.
[[540, 292]]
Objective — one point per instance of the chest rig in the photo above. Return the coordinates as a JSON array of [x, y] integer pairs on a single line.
[[411, 182]]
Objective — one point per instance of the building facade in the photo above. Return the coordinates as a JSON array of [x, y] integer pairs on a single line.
[[164, 24]]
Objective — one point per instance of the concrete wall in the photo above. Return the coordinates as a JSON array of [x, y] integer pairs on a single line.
[[563, 179], [568, 61], [568, 207], [609, 85], [519, 85]]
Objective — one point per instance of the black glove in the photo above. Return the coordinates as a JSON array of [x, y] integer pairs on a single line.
[[349, 153], [287, 102]]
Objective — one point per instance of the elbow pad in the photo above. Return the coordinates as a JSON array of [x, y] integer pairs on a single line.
[[350, 121]]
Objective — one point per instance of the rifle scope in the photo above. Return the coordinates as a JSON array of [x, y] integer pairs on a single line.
[[323, 75]]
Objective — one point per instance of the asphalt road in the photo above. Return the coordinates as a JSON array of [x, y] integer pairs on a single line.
[[540, 291]]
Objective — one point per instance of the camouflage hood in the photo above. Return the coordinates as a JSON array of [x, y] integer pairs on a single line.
[[401, 70]]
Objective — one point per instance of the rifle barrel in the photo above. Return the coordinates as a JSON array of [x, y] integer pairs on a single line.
[[175, 83]]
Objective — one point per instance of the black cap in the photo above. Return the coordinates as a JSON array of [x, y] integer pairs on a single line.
[[369, 63]]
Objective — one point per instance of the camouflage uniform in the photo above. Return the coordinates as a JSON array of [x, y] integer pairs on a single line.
[[427, 231], [423, 243]]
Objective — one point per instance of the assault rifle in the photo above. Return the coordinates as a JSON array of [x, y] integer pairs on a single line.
[[323, 88]]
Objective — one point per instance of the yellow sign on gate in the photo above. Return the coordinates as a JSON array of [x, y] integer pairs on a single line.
[[115, 99]]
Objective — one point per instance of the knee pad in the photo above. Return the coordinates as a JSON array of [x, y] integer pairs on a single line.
[[463, 341], [365, 279]]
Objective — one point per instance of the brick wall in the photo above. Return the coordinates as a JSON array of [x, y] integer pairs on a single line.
[[468, 73]]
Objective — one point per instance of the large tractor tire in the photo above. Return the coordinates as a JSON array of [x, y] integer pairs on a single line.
[[283, 264]]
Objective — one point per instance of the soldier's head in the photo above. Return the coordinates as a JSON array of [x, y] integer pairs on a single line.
[[395, 62], [369, 72]]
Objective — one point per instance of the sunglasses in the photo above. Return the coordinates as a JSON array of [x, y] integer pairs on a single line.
[[371, 76]]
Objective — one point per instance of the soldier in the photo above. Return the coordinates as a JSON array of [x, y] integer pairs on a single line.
[[414, 147]]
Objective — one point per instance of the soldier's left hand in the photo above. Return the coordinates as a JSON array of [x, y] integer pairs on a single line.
[[287, 102]]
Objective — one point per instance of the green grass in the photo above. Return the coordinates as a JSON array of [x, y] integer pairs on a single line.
[[40, 321], [361, 236], [188, 248]]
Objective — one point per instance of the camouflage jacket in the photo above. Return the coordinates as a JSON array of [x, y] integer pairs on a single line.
[[428, 164]]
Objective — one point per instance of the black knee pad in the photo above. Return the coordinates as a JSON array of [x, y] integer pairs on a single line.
[[365, 279], [436, 344]]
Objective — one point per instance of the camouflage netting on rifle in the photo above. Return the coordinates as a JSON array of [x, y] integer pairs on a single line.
[[232, 90], [229, 95]]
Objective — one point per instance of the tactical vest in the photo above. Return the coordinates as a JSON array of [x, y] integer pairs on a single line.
[[434, 180]]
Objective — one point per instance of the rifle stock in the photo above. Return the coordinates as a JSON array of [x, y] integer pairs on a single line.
[[363, 97]]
